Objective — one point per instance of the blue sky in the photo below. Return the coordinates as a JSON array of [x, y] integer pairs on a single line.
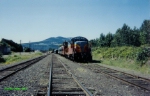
[[36, 20]]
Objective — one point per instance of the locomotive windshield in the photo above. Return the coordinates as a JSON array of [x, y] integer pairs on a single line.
[[81, 45]]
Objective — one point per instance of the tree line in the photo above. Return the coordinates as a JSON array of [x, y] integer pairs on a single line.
[[13, 46], [125, 36]]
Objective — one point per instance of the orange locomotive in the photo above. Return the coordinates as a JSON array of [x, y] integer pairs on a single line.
[[77, 49]]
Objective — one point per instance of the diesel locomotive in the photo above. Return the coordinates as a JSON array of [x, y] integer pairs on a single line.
[[77, 49]]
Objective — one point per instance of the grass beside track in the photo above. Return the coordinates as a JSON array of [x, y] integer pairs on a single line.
[[16, 57], [127, 63]]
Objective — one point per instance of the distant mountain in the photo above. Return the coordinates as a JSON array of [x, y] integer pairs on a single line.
[[52, 42]]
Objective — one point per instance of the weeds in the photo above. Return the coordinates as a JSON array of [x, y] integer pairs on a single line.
[[1, 58], [133, 58], [17, 58], [142, 57]]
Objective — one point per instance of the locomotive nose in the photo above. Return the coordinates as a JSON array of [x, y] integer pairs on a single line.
[[81, 46]]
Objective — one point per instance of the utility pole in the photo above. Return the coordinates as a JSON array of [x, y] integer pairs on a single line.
[[20, 47], [29, 46]]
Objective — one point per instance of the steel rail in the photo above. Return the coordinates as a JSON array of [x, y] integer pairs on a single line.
[[126, 81], [104, 71], [13, 71], [50, 79], [146, 79], [82, 87], [19, 64], [135, 76]]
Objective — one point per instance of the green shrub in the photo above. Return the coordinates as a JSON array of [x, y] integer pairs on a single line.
[[142, 56], [15, 55], [0, 55], [117, 52]]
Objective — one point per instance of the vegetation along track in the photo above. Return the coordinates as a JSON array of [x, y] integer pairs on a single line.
[[9, 71], [63, 82], [137, 81]]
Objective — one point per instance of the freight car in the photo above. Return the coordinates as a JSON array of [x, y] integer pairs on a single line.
[[77, 49]]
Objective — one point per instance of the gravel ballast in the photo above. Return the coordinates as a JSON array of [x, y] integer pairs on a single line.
[[101, 84], [34, 77], [31, 78], [3, 66]]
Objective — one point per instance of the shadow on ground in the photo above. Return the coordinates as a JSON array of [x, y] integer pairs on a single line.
[[2, 60], [95, 61]]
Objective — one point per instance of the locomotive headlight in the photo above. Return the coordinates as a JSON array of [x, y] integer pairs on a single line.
[[77, 48]]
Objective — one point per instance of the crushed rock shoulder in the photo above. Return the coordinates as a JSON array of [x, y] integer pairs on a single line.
[[100, 84], [138, 74]]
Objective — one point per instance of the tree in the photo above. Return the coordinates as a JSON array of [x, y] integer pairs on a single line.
[[108, 39], [116, 38], [125, 32], [94, 42], [143, 38], [125, 36], [26, 49], [0, 55], [1, 58], [20, 48], [102, 42], [134, 37], [145, 32], [14, 46]]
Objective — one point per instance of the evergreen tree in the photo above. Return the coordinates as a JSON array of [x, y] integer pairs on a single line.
[[102, 40], [134, 37], [143, 38], [108, 39], [125, 35], [145, 32], [116, 38]]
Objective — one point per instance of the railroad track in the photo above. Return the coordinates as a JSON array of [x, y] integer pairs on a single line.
[[63, 82], [137, 81], [9, 71]]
